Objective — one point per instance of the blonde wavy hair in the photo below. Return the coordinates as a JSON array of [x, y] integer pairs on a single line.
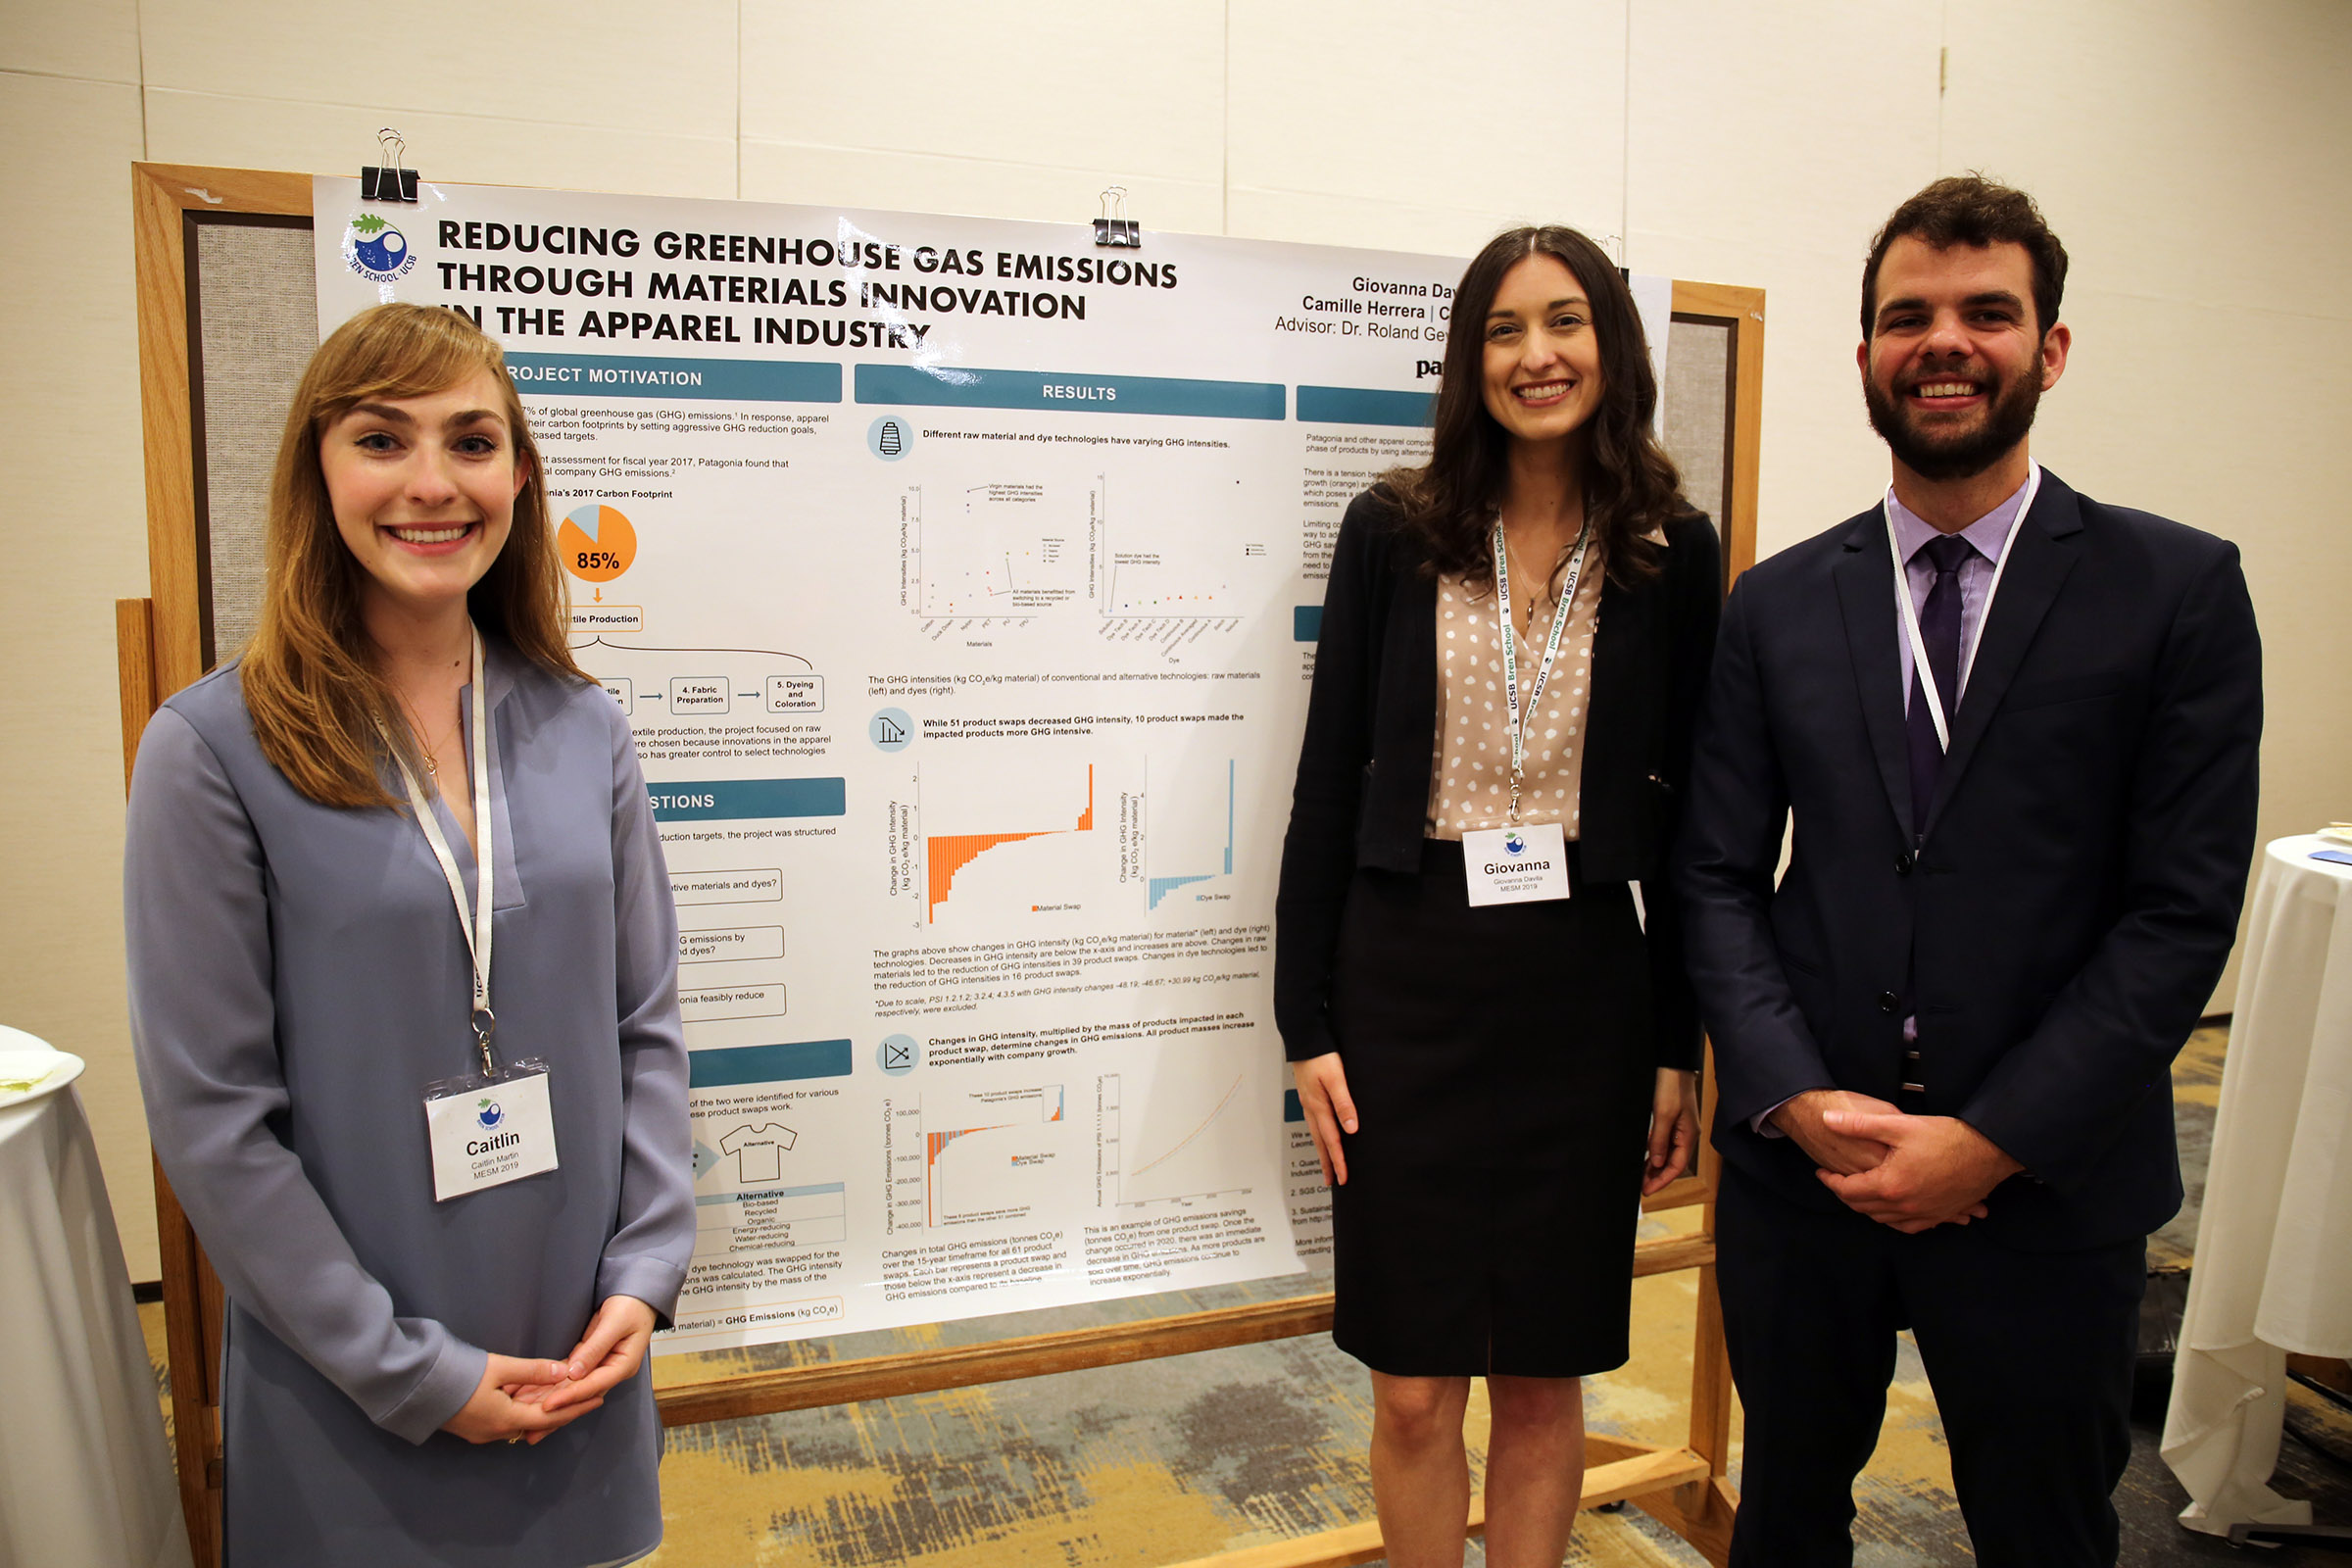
[[321, 708]]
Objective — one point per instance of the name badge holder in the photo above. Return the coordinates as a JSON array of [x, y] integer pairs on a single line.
[[1516, 864], [496, 1126]]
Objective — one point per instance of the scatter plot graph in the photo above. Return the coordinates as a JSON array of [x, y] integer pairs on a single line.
[[999, 549]]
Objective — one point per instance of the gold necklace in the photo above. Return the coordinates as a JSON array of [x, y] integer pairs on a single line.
[[432, 761]]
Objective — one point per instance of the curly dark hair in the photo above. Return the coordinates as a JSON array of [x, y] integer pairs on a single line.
[[1631, 485], [1971, 209]]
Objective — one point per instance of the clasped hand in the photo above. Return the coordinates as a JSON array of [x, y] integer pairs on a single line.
[[1909, 1172], [525, 1400]]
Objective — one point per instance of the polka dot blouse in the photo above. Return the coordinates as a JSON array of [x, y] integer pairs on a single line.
[[1470, 773]]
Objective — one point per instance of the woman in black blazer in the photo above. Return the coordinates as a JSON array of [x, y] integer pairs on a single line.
[[1493, 1054]]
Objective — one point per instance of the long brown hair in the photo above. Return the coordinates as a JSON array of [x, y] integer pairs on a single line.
[[1631, 485], [319, 706]]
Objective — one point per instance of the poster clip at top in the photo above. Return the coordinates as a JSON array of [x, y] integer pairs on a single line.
[[388, 182], [1114, 227]]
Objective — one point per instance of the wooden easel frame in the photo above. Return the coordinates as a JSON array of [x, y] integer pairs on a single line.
[[160, 649]]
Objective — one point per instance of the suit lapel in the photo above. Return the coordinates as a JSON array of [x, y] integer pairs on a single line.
[[1865, 578], [2042, 553]]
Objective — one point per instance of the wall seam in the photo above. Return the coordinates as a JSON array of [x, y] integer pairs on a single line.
[[1225, 136], [1943, 65], [739, 100], [451, 114], [138, 34], [1625, 148], [66, 75]]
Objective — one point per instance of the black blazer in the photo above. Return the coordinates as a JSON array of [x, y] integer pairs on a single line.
[[1362, 796], [2078, 890]]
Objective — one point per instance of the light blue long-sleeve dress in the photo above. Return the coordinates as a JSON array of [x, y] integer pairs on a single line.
[[297, 977]]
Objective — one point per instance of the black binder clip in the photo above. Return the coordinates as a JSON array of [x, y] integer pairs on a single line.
[[1114, 227], [388, 182]]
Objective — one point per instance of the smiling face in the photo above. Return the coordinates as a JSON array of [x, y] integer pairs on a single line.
[[1541, 364], [1956, 363], [423, 491]]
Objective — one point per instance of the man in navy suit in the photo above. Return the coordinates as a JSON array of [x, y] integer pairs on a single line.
[[2017, 730]]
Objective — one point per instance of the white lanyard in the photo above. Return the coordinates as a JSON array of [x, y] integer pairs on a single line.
[[476, 927], [1910, 612], [1510, 646]]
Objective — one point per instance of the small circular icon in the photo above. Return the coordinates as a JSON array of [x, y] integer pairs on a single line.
[[889, 437], [490, 1114], [898, 1054], [891, 730]]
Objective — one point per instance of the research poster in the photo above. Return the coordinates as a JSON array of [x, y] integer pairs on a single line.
[[960, 579]]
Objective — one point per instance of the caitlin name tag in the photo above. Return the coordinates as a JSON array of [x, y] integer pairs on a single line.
[[1516, 865], [486, 1132]]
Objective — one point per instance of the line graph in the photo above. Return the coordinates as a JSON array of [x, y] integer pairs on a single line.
[[1178, 1142]]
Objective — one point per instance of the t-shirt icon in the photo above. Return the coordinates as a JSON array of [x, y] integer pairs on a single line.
[[761, 1149]]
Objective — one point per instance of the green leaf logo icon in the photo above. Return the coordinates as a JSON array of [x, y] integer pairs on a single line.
[[367, 222]]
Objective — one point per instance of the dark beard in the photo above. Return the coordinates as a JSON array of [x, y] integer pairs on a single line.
[[2007, 422]]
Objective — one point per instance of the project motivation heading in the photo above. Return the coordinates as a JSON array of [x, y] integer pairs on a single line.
[[946, 281]]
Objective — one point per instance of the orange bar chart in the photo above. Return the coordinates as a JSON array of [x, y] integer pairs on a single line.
[[950, 853]]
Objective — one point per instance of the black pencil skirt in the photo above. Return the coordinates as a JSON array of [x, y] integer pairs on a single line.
[[1501, 1061]]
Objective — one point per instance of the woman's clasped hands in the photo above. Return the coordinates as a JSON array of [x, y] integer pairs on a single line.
[[521, 1400]]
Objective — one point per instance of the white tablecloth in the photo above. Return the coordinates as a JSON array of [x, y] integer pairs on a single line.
[[2274, 1250], [85, 1476]]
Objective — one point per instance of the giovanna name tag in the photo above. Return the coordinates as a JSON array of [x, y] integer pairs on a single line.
[[1516, 865]]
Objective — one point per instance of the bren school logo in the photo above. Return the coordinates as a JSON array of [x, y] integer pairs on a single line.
[[377, 250], [1512, 843], [487, 1112]]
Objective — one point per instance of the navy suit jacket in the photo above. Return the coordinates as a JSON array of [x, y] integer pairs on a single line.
[[2068, 914]]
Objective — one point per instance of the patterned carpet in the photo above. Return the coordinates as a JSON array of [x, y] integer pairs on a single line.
[[1161, 1462]]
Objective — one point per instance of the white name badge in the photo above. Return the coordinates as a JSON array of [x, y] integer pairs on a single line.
[[1516, 865], [486, 1132]]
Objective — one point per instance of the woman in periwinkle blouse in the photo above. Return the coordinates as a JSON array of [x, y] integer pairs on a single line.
[[437, 1348], [1492, 1048]]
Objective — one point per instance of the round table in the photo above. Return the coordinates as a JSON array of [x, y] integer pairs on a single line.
[[2273, 1272], [85, 1475]]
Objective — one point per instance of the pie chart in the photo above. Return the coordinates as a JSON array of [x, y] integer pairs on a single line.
[[597, 543]]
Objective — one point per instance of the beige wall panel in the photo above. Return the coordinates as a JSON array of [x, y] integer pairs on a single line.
[[2180, 148], [922, 182], [615, 65], [1513, 111], [2197, 162], [192, 128], [1321, 218], [1768, 144], [1132, 91], [1819, 461], [75, 541], [2262, 462], [94, 38]]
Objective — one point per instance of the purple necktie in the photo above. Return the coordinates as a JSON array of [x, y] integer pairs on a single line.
[[1939, 629]]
